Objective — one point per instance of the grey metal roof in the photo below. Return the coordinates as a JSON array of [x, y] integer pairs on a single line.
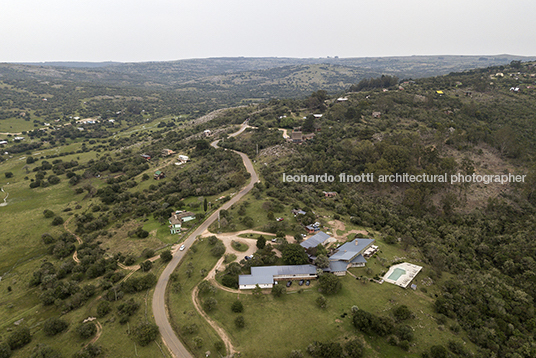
[[349, 250], [265, 274], [358, 259], [313, 241], [338, 266]]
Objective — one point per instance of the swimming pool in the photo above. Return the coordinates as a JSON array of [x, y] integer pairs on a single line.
[[397, 272]]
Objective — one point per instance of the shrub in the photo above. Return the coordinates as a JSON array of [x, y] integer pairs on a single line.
[[19, 338], [145, 333], [86, 330], [166, 256], [218, 250], [321, 301], [8, 174], [58, 220], [210, 304], [44, 351], [237, 306], [5, 350], [54, 325], [278, 290], [329, 284], [103, 308], [240, 322]]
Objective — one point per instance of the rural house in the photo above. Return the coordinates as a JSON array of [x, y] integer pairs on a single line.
[[266, 276], [159, 175], [351, 254], [175, 224]]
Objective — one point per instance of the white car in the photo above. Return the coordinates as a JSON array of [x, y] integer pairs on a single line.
[[182, 247]]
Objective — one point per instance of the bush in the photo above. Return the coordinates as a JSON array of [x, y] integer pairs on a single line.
[[147, 253], [237, 306], [329, 284], [146, 266], [321, 302], [86, 330], [218, 250], [210, 304], [402, 313], [54, 325], [145, 333], [278, 290], [19, 338], [8, 174], [44, 351], [354, 349], [103, 308], [5, 350], [166, 256], [58, 220], [240, 322], [90, 351]]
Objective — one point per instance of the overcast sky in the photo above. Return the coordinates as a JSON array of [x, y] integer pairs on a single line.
[[159, 30]]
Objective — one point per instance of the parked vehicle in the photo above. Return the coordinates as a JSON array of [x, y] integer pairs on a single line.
[[289, 283], [307, 283], [301, 282]]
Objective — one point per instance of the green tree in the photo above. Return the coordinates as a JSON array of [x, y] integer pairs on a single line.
[[354, 348], [294, 254], [240, 322], [261, 242], [145, 333], [146, 265], [58, 220], [278, 290], [205, 205], [103, 308], [54, 325], [237, 306], [19, 338], [257, 291], [329, 284], [210, 304], [86, 330], [5, 350], [8, 174], [321, 302], [166, 256], [44, 351], [322, 261]]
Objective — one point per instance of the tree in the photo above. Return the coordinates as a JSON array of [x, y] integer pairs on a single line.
[[54, 325], [30, 160], [5, 350], [166, 256], [103, 308], [86, 330], [44, 351], [218, 250], [321, 302], [294, 254], [257, 291], [145, 333], [90, 351], [8, 174], [58, 220], [402, 313], [322, 261], [19, 338], [240, 322], [278, 290], [354, 349], [146, 265], [329, 284], [48, 213], [237, 306], [205, 205], [210, 304], [261, 242]]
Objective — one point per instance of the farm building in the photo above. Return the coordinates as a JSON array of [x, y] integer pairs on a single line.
[[313, 241], [266, 276]]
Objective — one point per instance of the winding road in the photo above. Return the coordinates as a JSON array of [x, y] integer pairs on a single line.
[[159, 297]]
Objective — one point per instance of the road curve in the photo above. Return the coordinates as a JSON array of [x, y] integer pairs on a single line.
[[159, 301]]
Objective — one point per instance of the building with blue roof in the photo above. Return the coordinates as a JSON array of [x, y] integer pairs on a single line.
[[266, 276], [351, 254], [315, 240]]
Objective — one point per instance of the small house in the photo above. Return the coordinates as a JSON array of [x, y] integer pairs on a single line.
[[315, 240], [330, 194], [298, 212], [146, 157], [2, 142], [207, 133], [184, 158], [296, 137], [376, 114], [159, 175], [175, 224], [185, 215]]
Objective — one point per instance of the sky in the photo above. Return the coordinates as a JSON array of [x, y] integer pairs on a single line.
[[163, 30]]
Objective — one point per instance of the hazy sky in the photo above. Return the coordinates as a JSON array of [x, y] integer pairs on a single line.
[[157, 30]]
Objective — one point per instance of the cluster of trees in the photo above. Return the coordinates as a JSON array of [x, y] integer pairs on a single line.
[[367, 84]]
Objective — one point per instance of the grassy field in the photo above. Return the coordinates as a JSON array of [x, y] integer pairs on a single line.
[[181, 308]]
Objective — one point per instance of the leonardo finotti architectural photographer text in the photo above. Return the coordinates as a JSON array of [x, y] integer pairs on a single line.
[[405, 178]]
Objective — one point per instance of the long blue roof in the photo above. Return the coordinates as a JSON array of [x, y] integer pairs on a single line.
[[313, 241], [350, 250], [265, 274]]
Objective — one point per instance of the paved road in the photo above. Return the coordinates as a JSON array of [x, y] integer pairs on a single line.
[[159, 309]]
